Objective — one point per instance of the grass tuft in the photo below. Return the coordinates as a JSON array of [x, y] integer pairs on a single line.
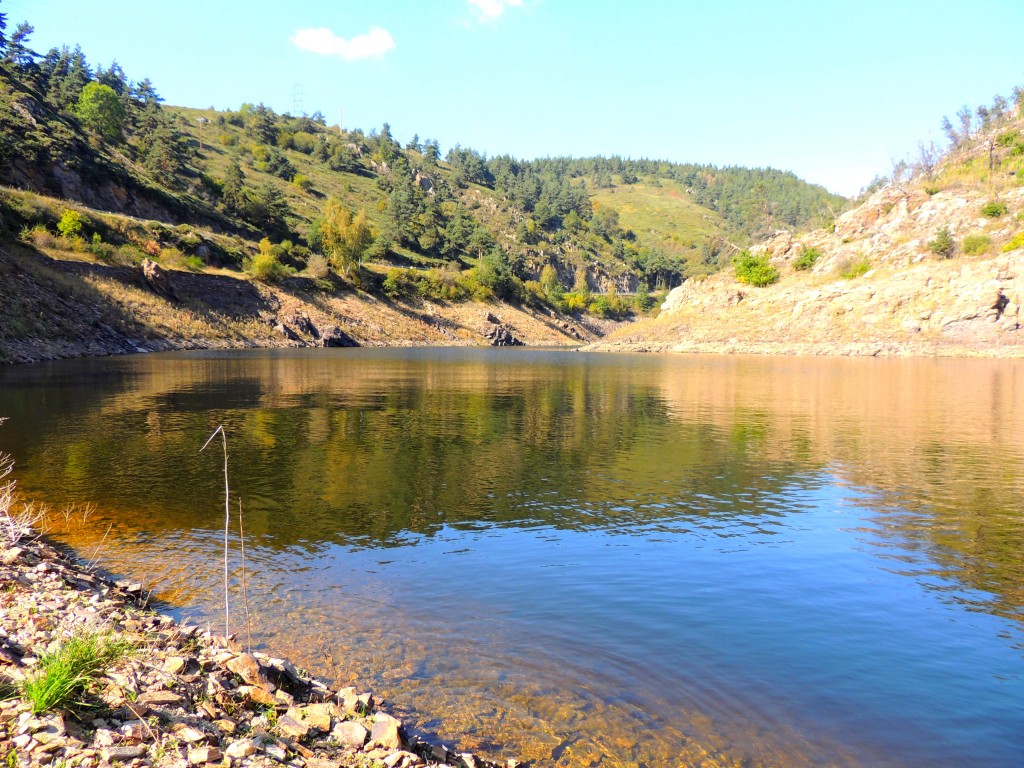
[[68, 672]]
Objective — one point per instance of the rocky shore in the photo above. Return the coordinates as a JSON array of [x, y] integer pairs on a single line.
[[179, 696]]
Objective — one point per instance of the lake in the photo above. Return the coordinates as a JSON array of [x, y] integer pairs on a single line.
[[577, 559]]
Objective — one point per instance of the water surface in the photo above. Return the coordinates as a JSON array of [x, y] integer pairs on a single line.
[[580, 559]]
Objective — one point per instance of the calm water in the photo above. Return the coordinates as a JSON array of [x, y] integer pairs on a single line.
[[581, 560]]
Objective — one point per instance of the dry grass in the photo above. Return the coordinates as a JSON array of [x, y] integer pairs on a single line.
[[18, 518]]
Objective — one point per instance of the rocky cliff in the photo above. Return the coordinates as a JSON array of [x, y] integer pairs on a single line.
[[885, 281]]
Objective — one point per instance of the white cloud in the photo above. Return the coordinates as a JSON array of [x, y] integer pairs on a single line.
[[489, 10], [321, 40]]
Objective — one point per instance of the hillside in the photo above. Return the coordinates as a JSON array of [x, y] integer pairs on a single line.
[[933, 265], [267, 196]]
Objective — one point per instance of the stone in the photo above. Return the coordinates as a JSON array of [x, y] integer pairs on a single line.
[[249, 670], [22, 741], [400, 758], [120, 754], [466, 760], [226, 726], [161, 698], [240, 749], [188, 734], [203, 755], [9, 556], [256, 695], [173, 665], [104, 737], [333, 336], [135, 730], [289, 726], [287, 332], [317, 716], [386, 731], [499, 334], [158, 280], [276, 752], [351, 733]]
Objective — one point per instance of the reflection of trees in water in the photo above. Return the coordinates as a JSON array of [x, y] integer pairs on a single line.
[[366, 448]]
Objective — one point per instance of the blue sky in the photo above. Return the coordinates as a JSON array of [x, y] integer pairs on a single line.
[[833, 91]]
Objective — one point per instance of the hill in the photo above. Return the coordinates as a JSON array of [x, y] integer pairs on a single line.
[[931, 264], [100, 171]]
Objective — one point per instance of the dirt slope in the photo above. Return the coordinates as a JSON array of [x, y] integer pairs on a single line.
[[55, 308]]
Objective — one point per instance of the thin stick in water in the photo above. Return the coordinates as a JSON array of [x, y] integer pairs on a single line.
[[245, 591], [227, 524]]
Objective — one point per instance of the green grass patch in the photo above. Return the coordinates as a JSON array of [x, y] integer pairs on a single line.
[[663, 216], [975, 245], [807, 259], [854, 268], [993, 209], [755, 270], [65, 674]]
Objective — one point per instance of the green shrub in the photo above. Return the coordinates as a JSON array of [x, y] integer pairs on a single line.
[[1016, 242], [600, 307], [99, 249], [943, 243], [974, 245], [853, 268], [755, 270], [70, 224], [265, 266], [807, 259], [643, 300], [442, 285], [396, 283], [69, 671], [993, 209], [575, 301], [931, 191], [302, 181]]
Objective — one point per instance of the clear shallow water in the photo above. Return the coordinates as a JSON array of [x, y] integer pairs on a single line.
[[583, 560]]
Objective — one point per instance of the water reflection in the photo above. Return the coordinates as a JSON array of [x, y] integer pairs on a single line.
[[596, 560]]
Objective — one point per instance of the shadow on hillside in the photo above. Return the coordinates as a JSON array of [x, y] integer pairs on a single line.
[[52, 308]]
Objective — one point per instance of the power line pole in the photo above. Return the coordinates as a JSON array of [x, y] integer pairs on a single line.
[[297, 100]]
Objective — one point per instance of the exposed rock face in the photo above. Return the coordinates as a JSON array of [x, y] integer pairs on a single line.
[[333, 336], [500, 334], [906, 300], [158, 280]]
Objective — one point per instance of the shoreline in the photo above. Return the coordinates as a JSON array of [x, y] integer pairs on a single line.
[[919, 350], [182, 696]]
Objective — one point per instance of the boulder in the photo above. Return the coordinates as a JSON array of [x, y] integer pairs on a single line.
[[350, 732], [287, 332], [333, 336], [386, 731], [249, 670], [158, 280], [499, 334]]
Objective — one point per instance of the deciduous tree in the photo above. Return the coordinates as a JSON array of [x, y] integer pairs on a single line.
[[100, 110]]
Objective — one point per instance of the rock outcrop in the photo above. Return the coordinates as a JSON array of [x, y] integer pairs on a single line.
[[876, 287], [499, 334]]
